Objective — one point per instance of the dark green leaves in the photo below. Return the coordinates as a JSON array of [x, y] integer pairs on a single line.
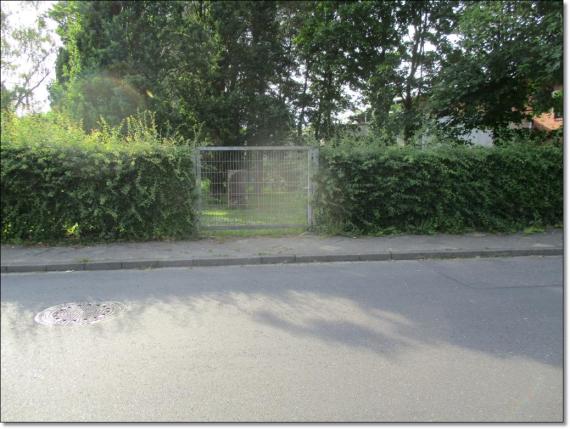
[[509, 57], [439, 190], [55, 180]]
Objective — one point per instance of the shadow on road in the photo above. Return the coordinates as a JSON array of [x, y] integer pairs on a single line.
[[384, 308]]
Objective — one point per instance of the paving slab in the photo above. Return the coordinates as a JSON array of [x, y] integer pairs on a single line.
[[304, 247]]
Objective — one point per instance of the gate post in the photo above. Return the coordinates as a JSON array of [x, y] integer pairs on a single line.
[[198, 177], [312, 168]]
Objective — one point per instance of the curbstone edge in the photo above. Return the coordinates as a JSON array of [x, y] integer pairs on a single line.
[[287, 259]]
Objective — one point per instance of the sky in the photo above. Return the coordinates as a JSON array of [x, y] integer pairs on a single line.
[[23, 14]]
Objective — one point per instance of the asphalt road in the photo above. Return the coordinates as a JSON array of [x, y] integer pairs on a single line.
[[454, 340]]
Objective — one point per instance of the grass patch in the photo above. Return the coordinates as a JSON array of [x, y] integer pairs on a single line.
[[248, 233], [533, 229], [269, 208]]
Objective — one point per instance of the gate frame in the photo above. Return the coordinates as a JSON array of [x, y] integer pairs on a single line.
[[312, 168]]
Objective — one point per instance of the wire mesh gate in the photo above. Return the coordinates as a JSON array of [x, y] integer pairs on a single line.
[[255, 187]]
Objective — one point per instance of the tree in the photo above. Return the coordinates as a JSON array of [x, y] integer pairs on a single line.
[[429, 23], [265, 72], [248, 99], [509, 57], [379, 49], [220, 68], [321, 51], [149, 55], [24, 62]]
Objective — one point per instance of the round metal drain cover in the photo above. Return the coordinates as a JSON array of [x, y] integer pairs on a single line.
[[79, 313]]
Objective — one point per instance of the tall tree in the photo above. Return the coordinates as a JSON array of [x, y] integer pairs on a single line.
[[258, 72], [321, 51], [429, 23], [373, 37], [384, 50], [218, 67], [509, 57], [248, 101], [119, 57]]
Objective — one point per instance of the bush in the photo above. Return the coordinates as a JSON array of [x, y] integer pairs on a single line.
[[445, 189], [58, 182]]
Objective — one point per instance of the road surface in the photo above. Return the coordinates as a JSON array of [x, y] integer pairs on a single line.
[[453, 340]]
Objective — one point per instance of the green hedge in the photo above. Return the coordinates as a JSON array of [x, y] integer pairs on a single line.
[[58, 183], [447, 189]]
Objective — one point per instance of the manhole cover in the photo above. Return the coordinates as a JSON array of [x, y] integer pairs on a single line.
[[79, 313]]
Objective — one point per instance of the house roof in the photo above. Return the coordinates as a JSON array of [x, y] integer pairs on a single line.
[[547, 122]]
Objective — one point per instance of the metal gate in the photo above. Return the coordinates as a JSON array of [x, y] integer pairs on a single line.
[[255, 187]]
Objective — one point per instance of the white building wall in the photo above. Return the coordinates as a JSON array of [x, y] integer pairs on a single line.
[[480, 138], [476, 137]]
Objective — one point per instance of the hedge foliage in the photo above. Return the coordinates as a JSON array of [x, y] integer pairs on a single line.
[[58, 182], [445, 189]]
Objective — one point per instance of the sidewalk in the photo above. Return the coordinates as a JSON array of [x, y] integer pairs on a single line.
[[268, 250]]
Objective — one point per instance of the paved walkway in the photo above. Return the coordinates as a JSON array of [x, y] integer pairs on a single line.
[[262, 250]]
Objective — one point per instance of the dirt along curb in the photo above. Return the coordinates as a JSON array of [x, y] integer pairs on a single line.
[[283, 259]]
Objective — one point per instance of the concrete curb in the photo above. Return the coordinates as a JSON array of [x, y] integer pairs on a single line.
[[284, 259]]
